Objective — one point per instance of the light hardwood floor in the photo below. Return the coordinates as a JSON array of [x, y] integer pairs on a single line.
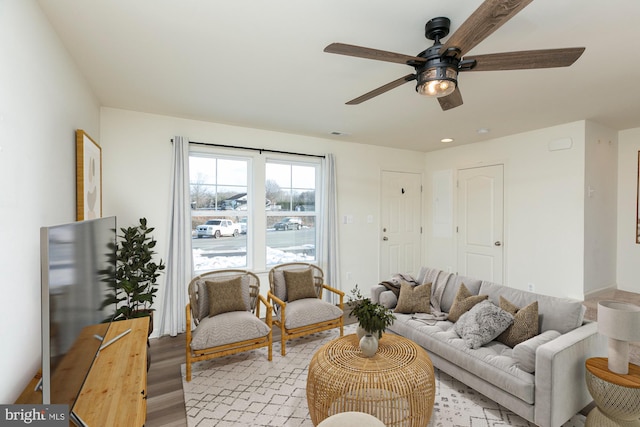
[[165, 404]]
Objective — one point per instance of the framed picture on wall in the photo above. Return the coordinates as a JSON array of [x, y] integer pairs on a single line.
[[88, 177], [638, 202]]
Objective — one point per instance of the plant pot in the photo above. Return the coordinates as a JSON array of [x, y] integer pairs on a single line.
[[368, 345]]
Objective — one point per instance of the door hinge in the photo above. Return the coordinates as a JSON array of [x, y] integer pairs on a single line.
[[456, 229]]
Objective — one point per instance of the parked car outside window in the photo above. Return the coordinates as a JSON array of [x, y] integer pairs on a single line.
[[217, 227], [288, 223]]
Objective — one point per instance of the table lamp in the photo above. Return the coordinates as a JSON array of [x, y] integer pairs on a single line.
[[620, 322]]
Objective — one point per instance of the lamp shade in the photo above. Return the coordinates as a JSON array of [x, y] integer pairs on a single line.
[[619, 320]]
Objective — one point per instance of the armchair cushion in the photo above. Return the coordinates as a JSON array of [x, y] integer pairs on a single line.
[[200, 306], [227, 328], [299, 284], [279, 286], [201, 310], [308, 311], [225, 296]]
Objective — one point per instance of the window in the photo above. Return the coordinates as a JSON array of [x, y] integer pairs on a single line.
[[219, 194], [253, 212], [291, 222]]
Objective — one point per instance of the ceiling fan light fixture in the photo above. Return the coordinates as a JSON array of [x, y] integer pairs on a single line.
[[437, 81]]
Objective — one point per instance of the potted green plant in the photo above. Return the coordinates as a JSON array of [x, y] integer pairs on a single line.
[[136, 274], [373, 318]]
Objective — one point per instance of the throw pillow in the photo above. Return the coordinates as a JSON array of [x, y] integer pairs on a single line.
[[225, 296], [525, 323], [414, 299], [482, 324], [300, 284], [279, 288], [203, 300], [463, 302], [525, 352]]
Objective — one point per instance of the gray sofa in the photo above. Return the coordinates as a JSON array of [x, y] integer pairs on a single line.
[[542, 379]]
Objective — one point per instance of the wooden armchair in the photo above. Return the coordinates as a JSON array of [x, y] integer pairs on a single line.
[[225, 308], [296, 296]]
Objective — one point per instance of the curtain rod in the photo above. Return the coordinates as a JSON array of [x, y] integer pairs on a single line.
[[260, 150]]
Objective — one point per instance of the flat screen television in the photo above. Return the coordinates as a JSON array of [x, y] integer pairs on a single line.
[[77, 271]]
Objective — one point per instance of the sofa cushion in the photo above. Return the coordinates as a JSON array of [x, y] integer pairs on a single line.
[[525, 323], [525, 352], [482, 324], [463, 302], [559, 314], [225, 296], [414, 299], [493, 362], [300, 284], [452, 287]]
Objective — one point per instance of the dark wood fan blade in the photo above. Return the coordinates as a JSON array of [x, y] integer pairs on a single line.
[[451, 101], [487, 18], [526, 59], [368, 53], [382, 89]]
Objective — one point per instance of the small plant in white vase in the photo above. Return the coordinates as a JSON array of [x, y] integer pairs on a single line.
[[373, 318]]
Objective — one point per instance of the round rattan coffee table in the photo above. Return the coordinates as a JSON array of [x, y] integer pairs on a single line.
[[396, 385]]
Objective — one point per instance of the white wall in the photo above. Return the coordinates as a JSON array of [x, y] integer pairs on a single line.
[[43, 99], [543, 204], [601, 159], [628, 254], [136, 160]]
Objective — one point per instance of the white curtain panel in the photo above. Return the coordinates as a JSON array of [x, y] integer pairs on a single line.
[[179, 261], [329, 228]]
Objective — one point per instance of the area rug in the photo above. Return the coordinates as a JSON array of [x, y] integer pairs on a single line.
[[247, 390]]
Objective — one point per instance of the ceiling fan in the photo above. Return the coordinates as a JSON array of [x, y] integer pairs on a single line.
[[437, 68]]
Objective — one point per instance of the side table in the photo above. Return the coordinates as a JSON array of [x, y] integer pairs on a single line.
[[617, 396], [396, 385]]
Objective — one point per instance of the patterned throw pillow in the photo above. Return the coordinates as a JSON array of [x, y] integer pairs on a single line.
[[300, 284], [463, 302], [414, 299], [482, 324], [202, 304], [279, 287], [225, 296], [525, 323]]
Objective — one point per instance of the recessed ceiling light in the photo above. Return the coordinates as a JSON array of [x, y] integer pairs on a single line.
[[446, 140], [483, 131]]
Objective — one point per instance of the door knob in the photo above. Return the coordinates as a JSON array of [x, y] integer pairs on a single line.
[[385, 238], [498, 243]]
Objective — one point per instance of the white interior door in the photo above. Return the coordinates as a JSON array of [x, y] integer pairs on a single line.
[[401, 213], [480, 227]]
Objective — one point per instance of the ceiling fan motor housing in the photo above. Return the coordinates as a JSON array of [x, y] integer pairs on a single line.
[[437, 28]]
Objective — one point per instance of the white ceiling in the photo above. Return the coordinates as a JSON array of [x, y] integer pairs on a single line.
[[260, 64]]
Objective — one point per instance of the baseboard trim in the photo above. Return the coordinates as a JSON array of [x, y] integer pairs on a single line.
[[599, 292]]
